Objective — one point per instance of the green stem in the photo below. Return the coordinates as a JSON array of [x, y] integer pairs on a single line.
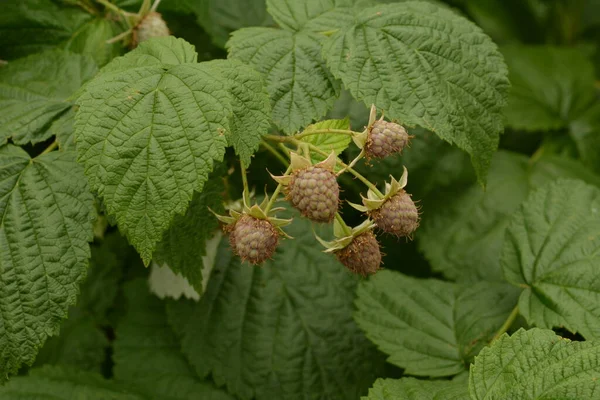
[[244, 180], [48, 149], [87, 7], [144, 8], [111, 6], [537, 155], [345, 227], [120, 36], [507, 324], [326, 131], [275, 153], [275, 194], [289, 139], [284, 148], [155, 5]]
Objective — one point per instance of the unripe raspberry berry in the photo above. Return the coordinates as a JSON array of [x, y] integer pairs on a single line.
[[362, 256], [252, 239], [385, 138], [398, 215], [314, 191], [151, 26]]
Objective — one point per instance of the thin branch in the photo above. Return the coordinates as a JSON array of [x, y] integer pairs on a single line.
[[275, 194], [507, 324], [275, 153], [289, 139]]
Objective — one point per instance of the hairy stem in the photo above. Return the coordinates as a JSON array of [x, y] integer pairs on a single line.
[[507, 324]]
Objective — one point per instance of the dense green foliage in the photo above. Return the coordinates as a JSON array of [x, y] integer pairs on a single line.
[[119, 157]]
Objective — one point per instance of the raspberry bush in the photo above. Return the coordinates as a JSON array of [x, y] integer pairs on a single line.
[[209, 199]]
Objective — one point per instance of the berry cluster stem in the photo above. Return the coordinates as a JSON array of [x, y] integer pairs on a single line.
[[275, 194], [275, 153], [244, 180], [345, 227], [326, 131], [312, 147]]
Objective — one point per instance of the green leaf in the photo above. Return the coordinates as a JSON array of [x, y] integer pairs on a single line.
[[82, 343], [184, 243], [101, 286], [300, 86], [251, 106], [550, 86], [32, 26], [462, 233], [221, 17], [552, 250], [414, 389], [536, 364], [427, 326], [147, 354], [60, 383], [36, 89], [149, 130], [47, 213], [161, 51], [425, 65], [328, 142], [62, 127], [260, 331], [90, 39], [316, 15], [585, 132]]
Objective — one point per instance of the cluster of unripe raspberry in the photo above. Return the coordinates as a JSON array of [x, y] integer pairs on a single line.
[[314, 191]]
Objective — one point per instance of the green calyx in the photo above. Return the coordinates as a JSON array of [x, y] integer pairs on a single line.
[[256, 211], [344, 235], [361, 139], [373, 201], [298, 162]]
